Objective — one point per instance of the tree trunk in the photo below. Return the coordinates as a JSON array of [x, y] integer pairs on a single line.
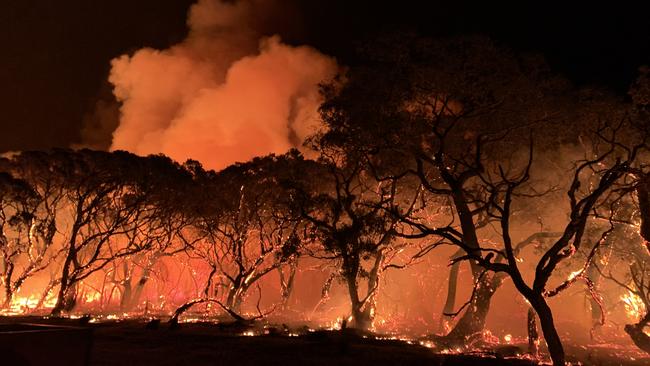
[[126, 301], [9, 290], [132, 294], [635, 331], [234, 299], [472, 322], [639, 338], [643, 194], [360, 319], [533, 333], [63, 286], [9, 296], [553, 341], [286, 284], [45, 293], [450, 303], [597, 318]]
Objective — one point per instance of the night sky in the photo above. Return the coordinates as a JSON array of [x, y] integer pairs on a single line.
[[55, 54]]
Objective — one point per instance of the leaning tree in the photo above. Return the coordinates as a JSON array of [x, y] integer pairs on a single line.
[[100, 198]]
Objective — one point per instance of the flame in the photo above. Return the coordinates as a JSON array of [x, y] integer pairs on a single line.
[[575, 274], [90, 298], [21, 305], [634, 307]]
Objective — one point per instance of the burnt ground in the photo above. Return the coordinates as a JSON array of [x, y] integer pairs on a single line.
[[134, 343]]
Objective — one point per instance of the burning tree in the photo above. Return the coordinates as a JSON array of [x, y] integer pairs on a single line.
[[419, 111], [465, 129], [161, 222], [36, 202], [627, 265], [90, 205], [104, 200], [344, 205], [27, 231], [242, 228], [628, 212]]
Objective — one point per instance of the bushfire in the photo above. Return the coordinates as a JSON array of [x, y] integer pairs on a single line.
[[104, 237], [450, 197]]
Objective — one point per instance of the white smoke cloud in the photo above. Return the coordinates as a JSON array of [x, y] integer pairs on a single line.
[[224, 94]]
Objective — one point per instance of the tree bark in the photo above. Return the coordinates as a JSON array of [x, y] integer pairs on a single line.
[[533, 333], [62, 297], [450, 303], [286, 284], [9, 289], [553, 341], [596, 311], [9, 295], [472, 323], [127, 295], [359, 320], [635, 331]]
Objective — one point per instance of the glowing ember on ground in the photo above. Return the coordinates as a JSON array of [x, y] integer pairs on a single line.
[[427, 344]]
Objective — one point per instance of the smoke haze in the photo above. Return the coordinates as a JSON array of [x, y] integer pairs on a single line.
[[225, 94]]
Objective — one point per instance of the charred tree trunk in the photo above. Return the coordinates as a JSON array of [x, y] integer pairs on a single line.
[[533, 333], [46, 292], [286, 282], [643, 194], [235, 296], [183, 308], [9, 295], [359, 318], [231, 300], [450, 303], [471, 324], [125, 302], [473, 320], [638, 336], [597, 318], [553, 341], [131, 294], [63, 298], [139, 287], [9, 289]]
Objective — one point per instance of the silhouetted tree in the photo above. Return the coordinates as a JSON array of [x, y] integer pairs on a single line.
[[26, 229], [459, 115], [418, 110], [243, 228], [344, 205]]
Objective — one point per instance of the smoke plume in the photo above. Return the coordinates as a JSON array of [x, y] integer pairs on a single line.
[[225, 94]]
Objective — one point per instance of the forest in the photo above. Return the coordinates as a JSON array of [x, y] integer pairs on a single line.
[[451, 164]]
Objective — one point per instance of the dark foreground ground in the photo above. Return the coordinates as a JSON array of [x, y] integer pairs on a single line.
[[135, 343]]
